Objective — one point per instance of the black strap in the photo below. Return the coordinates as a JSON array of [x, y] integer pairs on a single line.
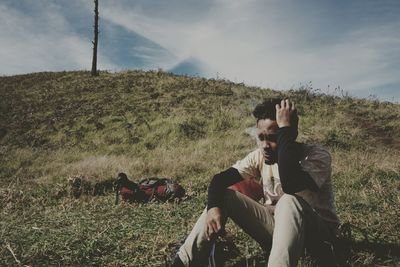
[[116, 195]]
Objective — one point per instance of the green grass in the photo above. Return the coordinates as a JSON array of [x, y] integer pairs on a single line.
[[58, 125]]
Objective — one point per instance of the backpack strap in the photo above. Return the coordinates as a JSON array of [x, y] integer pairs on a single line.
[[116, 195], [150, 183]]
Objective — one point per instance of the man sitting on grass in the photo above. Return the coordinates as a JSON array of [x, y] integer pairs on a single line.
[[297, 209]]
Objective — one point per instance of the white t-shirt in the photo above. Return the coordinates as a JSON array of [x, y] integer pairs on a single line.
[[316, 162]]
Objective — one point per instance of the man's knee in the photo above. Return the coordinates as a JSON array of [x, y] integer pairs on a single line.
[[287, 199], [289, 203], [235, 201], [234, 198]]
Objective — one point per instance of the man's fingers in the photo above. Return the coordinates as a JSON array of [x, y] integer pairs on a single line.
[[282, 103], [206, 232], [277, 107], [209, 230], [214, 227], [213, 223], [293, 108], [218, 225], [287, 103]]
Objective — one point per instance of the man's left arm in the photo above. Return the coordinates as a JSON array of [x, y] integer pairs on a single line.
[[293, 177]]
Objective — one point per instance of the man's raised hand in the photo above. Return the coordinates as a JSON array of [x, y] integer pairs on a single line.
[[283, 113]]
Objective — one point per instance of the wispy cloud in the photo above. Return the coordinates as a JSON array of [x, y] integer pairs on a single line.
[[273, 44], [41, 41], [277, 44]]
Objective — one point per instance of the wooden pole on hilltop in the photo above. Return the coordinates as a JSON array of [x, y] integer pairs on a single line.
[[96, 38]]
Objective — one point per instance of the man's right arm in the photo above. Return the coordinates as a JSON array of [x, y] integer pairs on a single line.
[[216, 190], [219, 184], [246, 168]]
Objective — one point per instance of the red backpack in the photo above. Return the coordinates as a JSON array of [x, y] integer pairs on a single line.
[[160, 189]]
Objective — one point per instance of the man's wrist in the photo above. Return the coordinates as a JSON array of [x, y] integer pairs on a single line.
[[216, 208], [285, 124], [211, 206], [285, 134]]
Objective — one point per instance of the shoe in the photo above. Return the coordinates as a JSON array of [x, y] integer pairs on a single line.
[[176, 262]]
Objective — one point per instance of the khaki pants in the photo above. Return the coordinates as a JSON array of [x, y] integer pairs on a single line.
[[285, 233]]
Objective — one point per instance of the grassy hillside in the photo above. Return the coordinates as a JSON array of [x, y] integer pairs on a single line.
[[59, 125]]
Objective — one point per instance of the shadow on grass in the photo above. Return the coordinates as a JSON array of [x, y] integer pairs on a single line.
[[345, 252], [382, 253]]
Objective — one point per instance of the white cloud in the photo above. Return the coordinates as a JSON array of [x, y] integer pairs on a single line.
[[267, 44], [41, 42]]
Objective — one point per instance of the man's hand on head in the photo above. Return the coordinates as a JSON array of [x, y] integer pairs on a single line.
[[213, 224], [284, 112]]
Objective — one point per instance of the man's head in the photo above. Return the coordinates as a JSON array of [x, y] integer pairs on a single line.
[[267, 128]]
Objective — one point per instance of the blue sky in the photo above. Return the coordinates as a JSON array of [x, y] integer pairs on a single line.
[[280, 44]]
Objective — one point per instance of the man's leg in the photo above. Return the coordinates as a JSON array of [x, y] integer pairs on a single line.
[[295, 221], [250, 215], [196, 248]]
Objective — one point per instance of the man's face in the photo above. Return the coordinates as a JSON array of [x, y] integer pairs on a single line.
[[267, 134]]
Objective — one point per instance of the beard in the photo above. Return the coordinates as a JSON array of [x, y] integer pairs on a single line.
[[270, 156]]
